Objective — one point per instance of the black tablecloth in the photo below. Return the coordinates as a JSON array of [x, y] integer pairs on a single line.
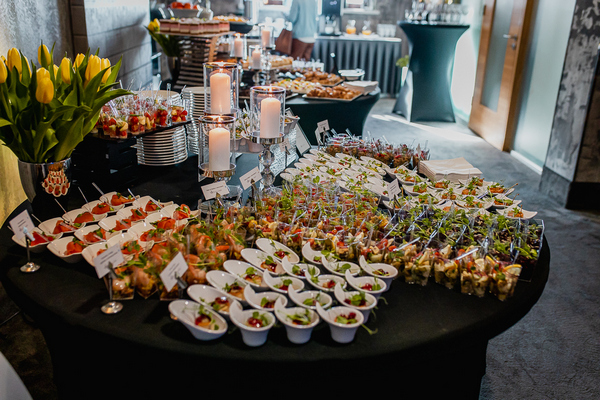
[[341, 115], [429, 341], [425, 95]]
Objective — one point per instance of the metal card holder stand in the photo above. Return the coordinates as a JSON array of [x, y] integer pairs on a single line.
[[112, 307], [30, 266]]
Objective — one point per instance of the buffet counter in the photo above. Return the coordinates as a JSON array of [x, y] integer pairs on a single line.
[[341, 115], [419, 334], [375, 55]]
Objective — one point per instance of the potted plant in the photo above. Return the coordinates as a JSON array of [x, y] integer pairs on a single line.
[[46, 111]]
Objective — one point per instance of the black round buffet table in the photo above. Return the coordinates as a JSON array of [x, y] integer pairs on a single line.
[[340, 114], [425, 95], [429, 341]]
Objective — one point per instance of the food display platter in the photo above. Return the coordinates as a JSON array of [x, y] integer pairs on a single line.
[[332, 98]]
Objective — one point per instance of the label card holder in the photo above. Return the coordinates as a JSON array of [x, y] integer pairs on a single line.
[[21, 222], [246, 179], [210, 191], [393, 189], [112, 255], [174, 270]]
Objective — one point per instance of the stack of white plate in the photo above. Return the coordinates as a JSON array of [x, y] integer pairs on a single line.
[[164, 148], [194, 98]]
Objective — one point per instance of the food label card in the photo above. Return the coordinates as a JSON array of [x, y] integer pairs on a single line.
[[246, 179], [323, 126], [302, 143], [175, 269], [112, 256], [19, 223], [393, 189], [210, 191], [283, 146]]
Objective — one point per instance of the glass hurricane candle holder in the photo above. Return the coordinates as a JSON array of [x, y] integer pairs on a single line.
[[267, 119], [267, 40], [221, 88], [238, 47], [255, 57], [215, 159]]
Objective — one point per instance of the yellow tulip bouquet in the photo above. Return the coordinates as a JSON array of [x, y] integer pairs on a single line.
[[46, 112]]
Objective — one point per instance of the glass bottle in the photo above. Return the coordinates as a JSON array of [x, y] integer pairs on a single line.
[[351, 27]]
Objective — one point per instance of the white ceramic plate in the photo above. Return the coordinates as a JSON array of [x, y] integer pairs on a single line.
[[526, 214], [257, 257], [59, 248], [213, 298], [186, 312], [271, 247], [241, 270], [221, 280]]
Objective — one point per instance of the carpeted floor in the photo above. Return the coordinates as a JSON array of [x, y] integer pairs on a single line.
[[552, 353]]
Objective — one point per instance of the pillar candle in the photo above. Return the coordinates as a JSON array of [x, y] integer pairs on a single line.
[[218, 149], [220, 93], [238, 47], [256, 57], [266, 38], [270, 110]]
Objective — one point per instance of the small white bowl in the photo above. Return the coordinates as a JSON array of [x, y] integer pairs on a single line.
[[255, 300], [186, 312], [298, 270], [341, 333], [271, 247], [309, 254], [257, 257], [276, 282], [503, 197], [252, 336], [526, 214], [81, 232], [313, 296], [110, 223], [344, 297], [340, 267], [138, 230], [91, 252], [38, 248], [107, 197], [49, 225], [220, 280], [320, 282], [90, 206], [296, 333], [207, 295], [367, 283], [71, 215], [121, 239], [59, 248], [127, 213], [240, 268], [141, 202], [388, 273]]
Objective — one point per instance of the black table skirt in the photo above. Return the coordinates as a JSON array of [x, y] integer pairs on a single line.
[[425, 95], [429, 341], [376, 56], [341, 115]]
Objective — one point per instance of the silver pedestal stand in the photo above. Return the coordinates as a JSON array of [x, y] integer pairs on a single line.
[[266, 157]]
